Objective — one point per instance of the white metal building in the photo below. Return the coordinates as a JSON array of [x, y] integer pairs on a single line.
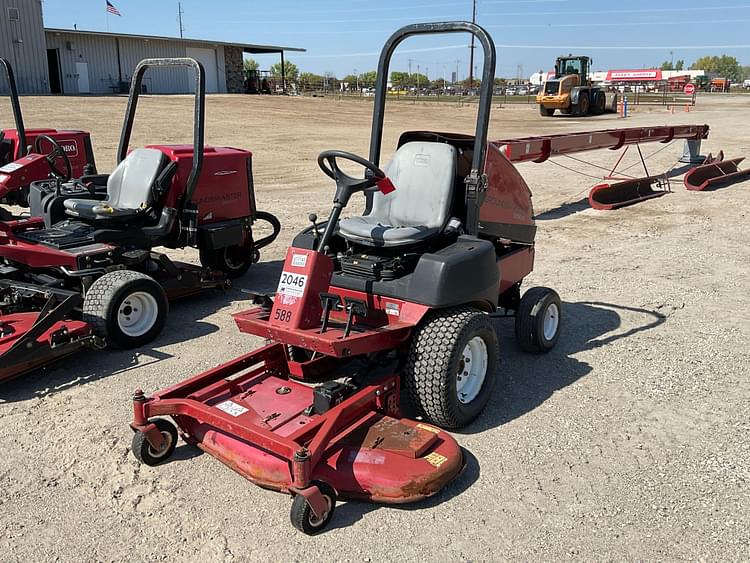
[[65, 61]]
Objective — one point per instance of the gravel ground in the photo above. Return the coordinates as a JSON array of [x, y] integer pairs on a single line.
[[628, 441]]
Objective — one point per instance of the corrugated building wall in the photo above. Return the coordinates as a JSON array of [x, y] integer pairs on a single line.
[[22, 42], [97, 64]]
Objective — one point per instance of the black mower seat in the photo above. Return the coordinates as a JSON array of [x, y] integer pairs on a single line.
[[423, 173], [130, 189]]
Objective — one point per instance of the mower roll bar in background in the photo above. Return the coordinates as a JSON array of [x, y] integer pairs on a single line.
[[14, 103], [474, 180], [198, 117]]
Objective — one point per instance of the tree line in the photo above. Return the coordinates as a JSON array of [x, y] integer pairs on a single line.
[[724, 65]]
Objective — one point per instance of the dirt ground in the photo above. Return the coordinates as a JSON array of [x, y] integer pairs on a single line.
[[627, 441]]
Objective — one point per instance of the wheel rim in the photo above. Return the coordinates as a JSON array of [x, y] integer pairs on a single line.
[[551, 321], [472, 370], [233, 258], [137, 314], [167, 444], [316, 522]]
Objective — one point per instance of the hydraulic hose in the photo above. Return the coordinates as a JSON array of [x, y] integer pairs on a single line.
[[275, 224]]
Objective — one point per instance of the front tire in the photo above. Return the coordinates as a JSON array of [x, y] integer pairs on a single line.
[[452, 366], [538, 320], [546, 112], [145, 453], [302, 516], [126, 308]]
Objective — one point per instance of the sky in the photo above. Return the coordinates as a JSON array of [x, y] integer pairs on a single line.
[[342, 37]]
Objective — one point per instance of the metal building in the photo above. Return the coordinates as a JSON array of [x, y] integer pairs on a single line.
[[22, 42], [65, 61]]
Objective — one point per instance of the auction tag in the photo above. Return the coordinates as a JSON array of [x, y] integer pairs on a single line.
[[230, 407], [11, 167], [292, 284], [299, 260]]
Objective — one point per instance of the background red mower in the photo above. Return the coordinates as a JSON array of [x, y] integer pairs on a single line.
[[92, 274], [67, 154], [402, 294]]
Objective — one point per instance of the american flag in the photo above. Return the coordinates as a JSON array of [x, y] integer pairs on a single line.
[[112, 10]]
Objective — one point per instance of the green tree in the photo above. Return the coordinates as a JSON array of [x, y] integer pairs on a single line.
[[290, 70], [746, 72], [725, 66], [399, 79], [368, 78], [250, 64], [310, 81], [667, 65], [353, 80]]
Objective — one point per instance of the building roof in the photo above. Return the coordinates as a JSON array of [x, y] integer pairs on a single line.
[[246, 47]]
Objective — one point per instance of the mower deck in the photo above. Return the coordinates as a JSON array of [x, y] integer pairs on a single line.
[[32, 339], [252, 417]]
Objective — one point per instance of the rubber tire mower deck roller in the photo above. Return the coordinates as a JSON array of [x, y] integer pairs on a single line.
[[402, 295]]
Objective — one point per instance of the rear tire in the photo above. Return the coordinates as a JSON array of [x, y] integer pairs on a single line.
[[584, 104], [126, 308], [546, 112], [443, 384], [600, 105], [538, 320], [234, 261]]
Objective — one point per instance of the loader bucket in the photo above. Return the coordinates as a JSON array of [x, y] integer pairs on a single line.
[[715, 174], [614, 196]]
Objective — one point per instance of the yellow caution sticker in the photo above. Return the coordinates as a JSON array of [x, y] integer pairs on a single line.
[[435, 459], [429, 428]]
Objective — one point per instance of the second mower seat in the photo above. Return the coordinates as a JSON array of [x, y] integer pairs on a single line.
[[424, 174], [130, 189]]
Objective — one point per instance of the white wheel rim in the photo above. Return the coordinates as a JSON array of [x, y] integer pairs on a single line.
[[167, 444], [472, 370], [551, 321], [316, 522], [137, 314]]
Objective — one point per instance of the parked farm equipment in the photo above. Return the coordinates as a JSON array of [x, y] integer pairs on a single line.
[[86, 269], [716, 173], [28, 155], [367, 304]]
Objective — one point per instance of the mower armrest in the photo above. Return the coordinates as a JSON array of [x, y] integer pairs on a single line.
[[98, 179], [164, 226]]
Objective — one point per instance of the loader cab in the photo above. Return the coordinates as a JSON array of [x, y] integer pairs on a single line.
[[577, 66]]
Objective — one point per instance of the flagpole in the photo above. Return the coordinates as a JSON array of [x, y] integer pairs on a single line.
[[107, 18]]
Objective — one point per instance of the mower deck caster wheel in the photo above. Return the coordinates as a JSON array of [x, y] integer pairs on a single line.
[[302, 516], [538, 320], [145, 453]]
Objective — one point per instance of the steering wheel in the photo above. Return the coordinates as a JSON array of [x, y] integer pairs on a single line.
[[51, 158], [346, 185]]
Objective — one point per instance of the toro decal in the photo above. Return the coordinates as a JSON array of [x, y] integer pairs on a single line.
[[70, 146]]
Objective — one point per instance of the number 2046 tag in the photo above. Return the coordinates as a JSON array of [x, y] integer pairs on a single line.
[[292, 284]]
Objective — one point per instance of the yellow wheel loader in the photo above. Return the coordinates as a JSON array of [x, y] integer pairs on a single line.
[[571, 91]]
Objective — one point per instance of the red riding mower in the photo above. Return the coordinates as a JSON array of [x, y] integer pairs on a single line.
[[89, 274], [402, 295], [67, 154]]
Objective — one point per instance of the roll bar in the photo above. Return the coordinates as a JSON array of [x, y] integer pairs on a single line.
[[474, 180], [15, 105], [198, 116]]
